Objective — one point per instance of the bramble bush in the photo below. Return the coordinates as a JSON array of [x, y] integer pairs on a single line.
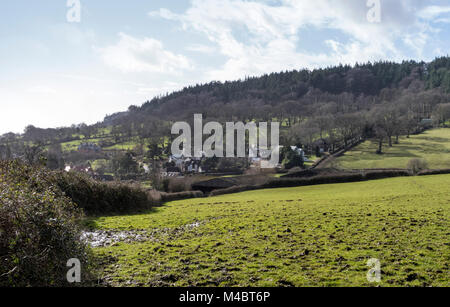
[[40, 215], [39, 229]]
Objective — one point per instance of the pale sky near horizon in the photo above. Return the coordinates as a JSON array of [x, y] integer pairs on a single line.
[[56, 73]]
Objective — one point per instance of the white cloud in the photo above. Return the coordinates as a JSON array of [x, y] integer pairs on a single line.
[[417, 42], [164, 13], [260, 37], [201, 48], [131, 54], [166, 87], [442, 20], [431, 12]]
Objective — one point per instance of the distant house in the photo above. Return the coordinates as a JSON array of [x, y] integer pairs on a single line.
[[262, 160], [187, 165], [177, 160], [192, 165], [301, 153], [298, 151], [426, 122], [321, 146], [81, 168], [145, 167], [89, 147], [260, 157]]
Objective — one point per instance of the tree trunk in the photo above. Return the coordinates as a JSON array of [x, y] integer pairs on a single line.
[[390, 141], [380, 146]]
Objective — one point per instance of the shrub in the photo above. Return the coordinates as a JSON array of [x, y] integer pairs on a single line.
[[291, 158], [155, 196], [102, 197], [312, 172], [39, 229], [417, 165], [324, 179], [176, 185], [93, 196], [381, 174]]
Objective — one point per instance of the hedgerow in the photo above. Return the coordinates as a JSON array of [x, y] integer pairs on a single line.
[[40, 214], [39, 229]]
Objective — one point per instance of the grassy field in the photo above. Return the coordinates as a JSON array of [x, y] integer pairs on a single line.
[[433, 146], [123, 146], [306, 236], [73, 145]]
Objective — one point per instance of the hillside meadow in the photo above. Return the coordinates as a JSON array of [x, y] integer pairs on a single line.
[[307, 236], [432, 145]]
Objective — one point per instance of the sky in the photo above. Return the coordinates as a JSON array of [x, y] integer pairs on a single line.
[[64, 64]]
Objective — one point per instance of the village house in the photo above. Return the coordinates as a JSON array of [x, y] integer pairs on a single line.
[[321, 146], [81, 168], [426, 123], [186, 164], [259, 162]]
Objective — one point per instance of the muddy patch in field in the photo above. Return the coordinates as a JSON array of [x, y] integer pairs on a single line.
[[104, 238]]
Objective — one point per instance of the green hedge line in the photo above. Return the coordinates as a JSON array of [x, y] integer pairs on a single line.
[[326, 178], [166, 197], [96, 197], [434, 172]]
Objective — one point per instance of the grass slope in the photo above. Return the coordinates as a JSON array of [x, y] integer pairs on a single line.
[[306, 236], [433, 146]]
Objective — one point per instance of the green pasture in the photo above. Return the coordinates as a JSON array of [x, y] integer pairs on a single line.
[[432, 145], [307, 236]]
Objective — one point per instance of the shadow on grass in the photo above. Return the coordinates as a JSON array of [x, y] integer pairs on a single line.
[[434, 139]]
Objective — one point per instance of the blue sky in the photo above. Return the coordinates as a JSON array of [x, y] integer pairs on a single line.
[[57, 73]]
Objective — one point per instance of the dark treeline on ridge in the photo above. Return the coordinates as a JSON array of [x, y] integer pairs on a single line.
[[296, 91]]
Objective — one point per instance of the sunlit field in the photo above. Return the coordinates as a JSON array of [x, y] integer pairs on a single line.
[[432, 145], [306, 236]]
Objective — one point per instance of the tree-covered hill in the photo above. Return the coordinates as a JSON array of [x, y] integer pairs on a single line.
[[340, 105], [296, 88]]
